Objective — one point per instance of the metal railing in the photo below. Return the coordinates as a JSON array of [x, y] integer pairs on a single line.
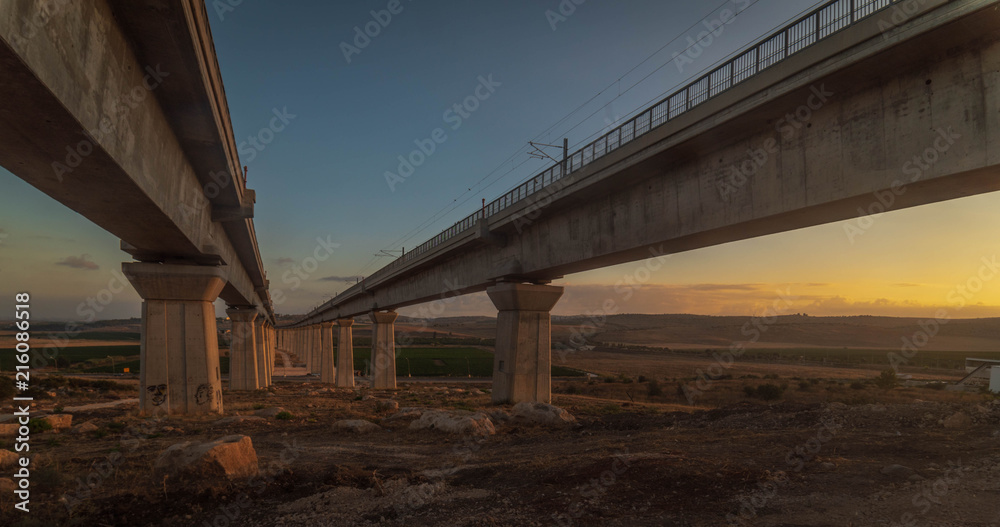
[[819, 24]]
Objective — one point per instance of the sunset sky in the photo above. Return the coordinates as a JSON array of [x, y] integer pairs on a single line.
[[324, 175]]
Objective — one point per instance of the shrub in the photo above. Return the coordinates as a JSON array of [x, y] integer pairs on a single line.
[[284, 416], [887, 379], [750, 391], [770, 392], [38, 425], [936, 385], [258, 406], [857, 385], [653, 389], [642, 379]]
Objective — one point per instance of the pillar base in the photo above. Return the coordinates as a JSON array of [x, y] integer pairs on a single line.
[[244, 369], [327, 370], [383, 350], [179, 352], [345, 354], [522, 365]]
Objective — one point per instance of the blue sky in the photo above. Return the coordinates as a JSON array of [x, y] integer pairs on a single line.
[[324, 174]]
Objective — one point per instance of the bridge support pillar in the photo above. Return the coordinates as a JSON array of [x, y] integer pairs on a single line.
[[315, 349], [260, 337], [243, 366], [383, 350], [345, 354], [328, 372], [179, 352], [522, 365]]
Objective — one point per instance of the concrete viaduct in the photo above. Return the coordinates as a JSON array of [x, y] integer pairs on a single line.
[[860, 106], [116, 109]]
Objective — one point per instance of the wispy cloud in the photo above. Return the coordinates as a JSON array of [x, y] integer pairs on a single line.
[[79, 262], [284, 261]]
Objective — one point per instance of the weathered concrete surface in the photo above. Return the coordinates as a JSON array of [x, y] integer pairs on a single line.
[[116, 109], [345, 354], [383, 365], [522, 364], [178, 375], [260, 347], [671, 191], [242, 350], [327, 370]]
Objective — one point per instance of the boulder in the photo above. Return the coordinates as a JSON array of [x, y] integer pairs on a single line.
[[8, 459], [207, 465], [472, 424], [387, 406], [59, 421], [85, 428], [357, 426], [958, 421], [543, 413], [269, 412]]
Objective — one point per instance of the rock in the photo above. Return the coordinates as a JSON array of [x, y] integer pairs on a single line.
[[406, 412], [499, 416], [8, 459], [313, 394], [897, 471], [457, 390], [8, 429], [237, 419], [958, 421], [7, 486], [85, 428], [827, 467], [208, 465], [476, 391], [357, 426], [59, 421], [543, 413], [269, 412], [473, 424], [367, 397]]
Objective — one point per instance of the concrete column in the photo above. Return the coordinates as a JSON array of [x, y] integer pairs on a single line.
[[522, 365], [315, 349], [272, 352], [383, 350], [345, 354], [179, 348], [260, 330], [327, 371], [243, 350], [306, 348]]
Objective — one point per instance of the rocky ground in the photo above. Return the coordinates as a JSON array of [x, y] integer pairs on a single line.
[[441, 454]]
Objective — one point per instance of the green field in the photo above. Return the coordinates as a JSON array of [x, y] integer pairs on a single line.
[[444, 362], [835, 356], [72, 356]]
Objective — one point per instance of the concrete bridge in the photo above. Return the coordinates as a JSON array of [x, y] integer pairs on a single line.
[[860, 106], [116, 109]]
